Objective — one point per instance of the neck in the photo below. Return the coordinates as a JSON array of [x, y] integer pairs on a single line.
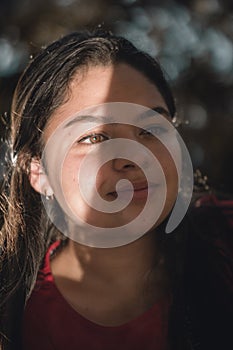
[[111, 285], [136, 259]]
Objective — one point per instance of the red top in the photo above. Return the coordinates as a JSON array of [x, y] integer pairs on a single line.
[[51, 323]]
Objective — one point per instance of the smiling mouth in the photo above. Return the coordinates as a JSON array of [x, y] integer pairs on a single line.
[[140, 191]]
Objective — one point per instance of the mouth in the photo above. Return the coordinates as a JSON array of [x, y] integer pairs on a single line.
[[140, 191]]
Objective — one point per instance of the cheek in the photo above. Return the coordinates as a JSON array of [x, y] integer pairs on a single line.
[[104, 179], [69, 174], [170, 171], [90, 178], [171, 176]]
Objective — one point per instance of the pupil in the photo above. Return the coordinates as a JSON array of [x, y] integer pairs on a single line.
[[95, 138]]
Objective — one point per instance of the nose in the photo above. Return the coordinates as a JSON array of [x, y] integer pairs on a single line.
[[129, 156], [121, 164]]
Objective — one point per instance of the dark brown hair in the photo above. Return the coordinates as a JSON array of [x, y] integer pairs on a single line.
[[41, 89]]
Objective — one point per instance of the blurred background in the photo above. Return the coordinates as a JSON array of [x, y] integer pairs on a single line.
[[193, 40]]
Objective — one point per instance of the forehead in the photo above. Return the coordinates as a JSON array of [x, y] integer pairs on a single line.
[[101, 84]]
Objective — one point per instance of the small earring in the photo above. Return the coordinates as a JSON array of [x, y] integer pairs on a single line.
[[49, 197]]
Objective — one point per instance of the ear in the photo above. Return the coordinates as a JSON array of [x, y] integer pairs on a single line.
[[38, 179]]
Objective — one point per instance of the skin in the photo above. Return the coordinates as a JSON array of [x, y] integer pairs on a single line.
[[95, 281]]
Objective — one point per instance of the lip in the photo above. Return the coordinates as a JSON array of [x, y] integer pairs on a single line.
[[140, 190]]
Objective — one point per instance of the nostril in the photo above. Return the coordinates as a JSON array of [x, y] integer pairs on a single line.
[[123, 164], [129, 165]]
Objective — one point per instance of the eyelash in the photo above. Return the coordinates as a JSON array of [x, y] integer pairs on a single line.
[[159, 130], [89, 137]]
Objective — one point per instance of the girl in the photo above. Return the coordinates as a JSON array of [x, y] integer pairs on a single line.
[[131, 296]]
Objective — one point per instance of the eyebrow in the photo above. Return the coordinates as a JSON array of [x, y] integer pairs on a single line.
[[88, 118], [150, 112], [108, 120]]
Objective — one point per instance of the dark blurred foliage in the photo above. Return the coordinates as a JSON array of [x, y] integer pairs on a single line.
[[192, 40]]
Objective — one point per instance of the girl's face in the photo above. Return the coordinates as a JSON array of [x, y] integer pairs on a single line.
[[94, 86]]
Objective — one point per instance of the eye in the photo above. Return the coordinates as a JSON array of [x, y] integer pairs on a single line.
[[93, 139], [154, 130]]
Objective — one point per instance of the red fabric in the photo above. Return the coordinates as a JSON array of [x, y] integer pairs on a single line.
[[51, 323], [224, 205]]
